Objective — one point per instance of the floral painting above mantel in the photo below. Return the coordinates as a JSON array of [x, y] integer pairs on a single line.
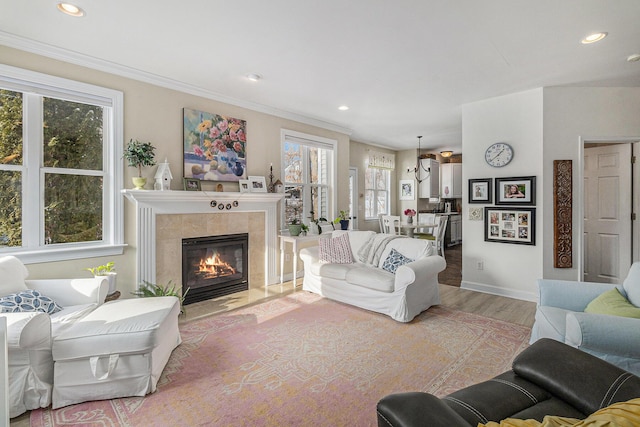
[[214, 146]]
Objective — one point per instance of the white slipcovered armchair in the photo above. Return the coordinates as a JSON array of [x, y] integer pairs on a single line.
[[30, 333], [561, 316]]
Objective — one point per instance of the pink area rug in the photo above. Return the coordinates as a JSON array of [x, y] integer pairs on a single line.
[[303, 360]]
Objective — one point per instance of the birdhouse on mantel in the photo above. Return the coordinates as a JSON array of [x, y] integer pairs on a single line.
[[163, 177]]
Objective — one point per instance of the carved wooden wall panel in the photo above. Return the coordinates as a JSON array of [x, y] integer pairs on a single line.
[[562, 214]]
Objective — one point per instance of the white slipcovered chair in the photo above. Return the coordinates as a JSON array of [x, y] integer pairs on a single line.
[[30, 333]]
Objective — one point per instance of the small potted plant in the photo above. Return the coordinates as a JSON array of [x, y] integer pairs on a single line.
[[295, 228], [410, 213], [343, 220], [106, 271], [139, 154]]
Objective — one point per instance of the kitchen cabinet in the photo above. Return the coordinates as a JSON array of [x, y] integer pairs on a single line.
[[429, 175], [451, 180], [453, 234]]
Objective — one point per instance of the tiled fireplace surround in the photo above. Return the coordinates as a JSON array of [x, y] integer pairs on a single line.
[[164, 218]]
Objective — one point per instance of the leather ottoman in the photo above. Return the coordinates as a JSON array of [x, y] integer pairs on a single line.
[[118, 350]]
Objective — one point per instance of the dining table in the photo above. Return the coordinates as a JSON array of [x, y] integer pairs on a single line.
[[408, 229]]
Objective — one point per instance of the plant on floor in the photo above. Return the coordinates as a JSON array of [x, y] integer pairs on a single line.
[[147, 289]]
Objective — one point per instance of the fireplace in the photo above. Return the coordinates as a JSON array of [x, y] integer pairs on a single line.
[[214, 266]]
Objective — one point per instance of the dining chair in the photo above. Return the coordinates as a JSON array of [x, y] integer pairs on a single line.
[[426, 218], [436, 235], [429, 232], [391, 224]]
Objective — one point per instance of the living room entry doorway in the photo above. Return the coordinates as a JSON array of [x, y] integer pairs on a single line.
[[610, 240]]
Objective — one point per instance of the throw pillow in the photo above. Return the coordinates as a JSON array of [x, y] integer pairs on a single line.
[[12, 275], [613, 303], [394, 260], [621, 414], [28, 300], [336, 250], [631, 284]]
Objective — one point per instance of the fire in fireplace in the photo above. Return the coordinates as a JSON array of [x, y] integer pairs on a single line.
[[214, 266]]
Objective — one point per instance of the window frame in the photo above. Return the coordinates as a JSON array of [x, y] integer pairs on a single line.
[[319, 142], [376, 191], [34, 84]]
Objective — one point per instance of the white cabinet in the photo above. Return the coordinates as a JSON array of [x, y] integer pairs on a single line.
[[451, 180], [455, 230], [429, 174]]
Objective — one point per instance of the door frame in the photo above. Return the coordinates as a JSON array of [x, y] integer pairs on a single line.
[[353, 176], [579, 197]]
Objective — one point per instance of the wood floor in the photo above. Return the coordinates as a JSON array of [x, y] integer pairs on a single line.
[[496, 307]]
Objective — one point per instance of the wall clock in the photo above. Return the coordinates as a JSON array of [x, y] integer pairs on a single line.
[[498, 154]]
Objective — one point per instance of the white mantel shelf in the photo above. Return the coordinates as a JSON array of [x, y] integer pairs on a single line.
[[150, 203]]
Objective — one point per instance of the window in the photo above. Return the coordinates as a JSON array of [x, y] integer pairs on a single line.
[[376, 192], [60, 168], [308, 177]]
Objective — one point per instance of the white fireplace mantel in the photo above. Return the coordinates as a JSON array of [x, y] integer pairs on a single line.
[[151, 203]]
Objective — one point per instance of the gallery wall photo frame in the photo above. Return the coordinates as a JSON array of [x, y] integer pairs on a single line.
[[515, 191], [257, 184], [480, 190], [407, 189], [510, 225]]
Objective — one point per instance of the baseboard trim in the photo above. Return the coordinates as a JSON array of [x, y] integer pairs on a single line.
[[495, 290]]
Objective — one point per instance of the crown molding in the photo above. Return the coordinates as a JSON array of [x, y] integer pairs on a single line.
[[49, 51]]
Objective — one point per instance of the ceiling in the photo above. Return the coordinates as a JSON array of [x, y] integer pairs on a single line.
[[404, 68]]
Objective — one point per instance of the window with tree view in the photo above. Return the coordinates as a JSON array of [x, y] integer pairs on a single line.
[[52, 171], [307, 180], [376, 192]]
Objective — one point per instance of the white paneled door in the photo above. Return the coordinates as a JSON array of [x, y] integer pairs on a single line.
[[607, 213]]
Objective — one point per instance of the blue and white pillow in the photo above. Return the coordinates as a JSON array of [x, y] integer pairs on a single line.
[[28, 300], [394, 260]]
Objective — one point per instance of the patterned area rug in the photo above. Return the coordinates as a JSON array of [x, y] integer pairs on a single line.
[[304, 360]]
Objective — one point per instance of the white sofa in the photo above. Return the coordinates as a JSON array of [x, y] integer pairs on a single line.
[[30, 334], [402, 296]]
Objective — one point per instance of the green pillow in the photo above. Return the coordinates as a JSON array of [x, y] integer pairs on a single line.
[[613, 303]]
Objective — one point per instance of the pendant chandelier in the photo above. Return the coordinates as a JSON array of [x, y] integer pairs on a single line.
[[416, 170]]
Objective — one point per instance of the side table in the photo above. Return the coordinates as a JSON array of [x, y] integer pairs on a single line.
[[294, 240]]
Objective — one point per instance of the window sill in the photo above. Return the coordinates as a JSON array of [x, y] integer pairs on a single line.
[[51, 254]]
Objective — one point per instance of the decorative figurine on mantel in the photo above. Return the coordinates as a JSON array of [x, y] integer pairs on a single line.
[[278, 187], [271, 187], [163, 177]]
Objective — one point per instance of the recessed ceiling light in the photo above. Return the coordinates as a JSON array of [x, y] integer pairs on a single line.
[[343, 108], [592, 38], [253, 77], [634, 58], [70, 9]]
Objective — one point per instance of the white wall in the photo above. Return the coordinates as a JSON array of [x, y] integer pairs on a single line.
[[542, 125], [509, 269], [573, 115]]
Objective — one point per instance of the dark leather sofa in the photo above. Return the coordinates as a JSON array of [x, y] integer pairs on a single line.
[[548, 378]]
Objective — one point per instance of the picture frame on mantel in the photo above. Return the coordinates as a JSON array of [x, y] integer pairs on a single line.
[[257, 184]]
